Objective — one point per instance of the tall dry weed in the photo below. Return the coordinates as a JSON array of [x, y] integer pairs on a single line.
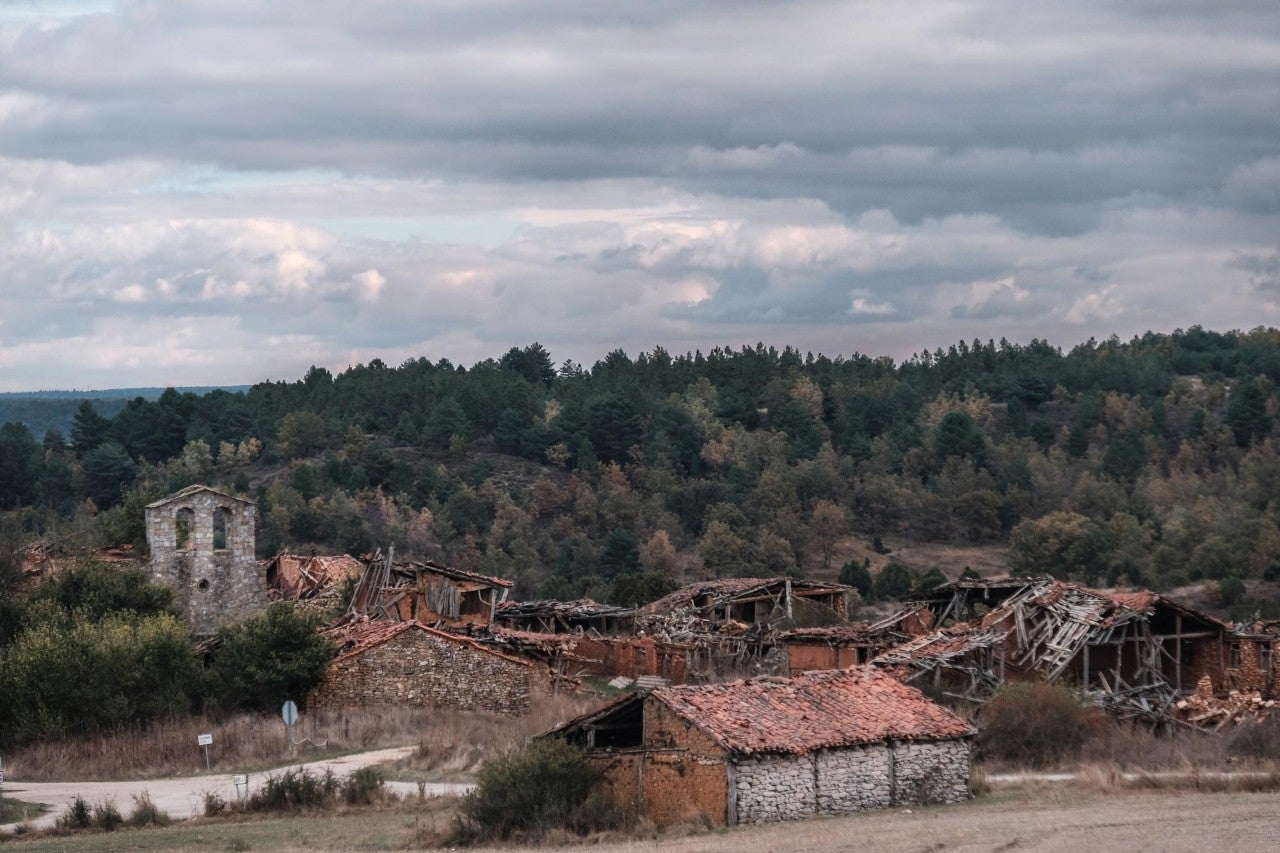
[[168, 747]]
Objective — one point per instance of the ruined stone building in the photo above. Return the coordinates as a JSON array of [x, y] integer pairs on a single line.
[[202, 546], [408, 663], [769, 749]]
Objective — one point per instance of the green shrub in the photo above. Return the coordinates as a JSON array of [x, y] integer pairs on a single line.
[[214, 805], [146, 813], [106, 816], [267, 659], [295, 790], [1032, 723], [363, 786], [549, 785], [78, 815], [63, 675]]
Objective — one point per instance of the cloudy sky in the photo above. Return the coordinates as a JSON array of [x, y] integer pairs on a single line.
[[223, 191]]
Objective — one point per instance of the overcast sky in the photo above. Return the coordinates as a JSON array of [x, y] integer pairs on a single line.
[[224, 191]]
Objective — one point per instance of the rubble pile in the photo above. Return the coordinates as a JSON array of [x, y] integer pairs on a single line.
[[1204, 709]]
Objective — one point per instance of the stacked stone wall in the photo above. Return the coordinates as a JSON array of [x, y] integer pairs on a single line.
[[212, 588], [931, 772], [842, 781], [423, 669], [776, 787], [851, 780]]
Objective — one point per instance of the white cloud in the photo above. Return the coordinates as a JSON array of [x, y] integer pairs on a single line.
[[861, 306], [1101, 304], [370, 284]]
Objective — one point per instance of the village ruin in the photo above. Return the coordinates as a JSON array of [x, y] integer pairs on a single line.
[[770, 749], [202, 547]]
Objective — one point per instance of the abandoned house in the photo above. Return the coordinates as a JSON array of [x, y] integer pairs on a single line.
[[564, 617], [295, 577], [770, 749], [408, 663], [427, 592], [1139, 650], [758, 601], [202, 546], [836, 647]]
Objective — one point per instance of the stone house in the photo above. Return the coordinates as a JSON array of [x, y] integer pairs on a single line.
[[408, 663], [768, 749], [202, 547]]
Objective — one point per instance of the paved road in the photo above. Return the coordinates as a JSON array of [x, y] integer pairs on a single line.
[[184, 797]]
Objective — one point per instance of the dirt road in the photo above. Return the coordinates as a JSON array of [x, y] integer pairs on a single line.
[[184, 797]]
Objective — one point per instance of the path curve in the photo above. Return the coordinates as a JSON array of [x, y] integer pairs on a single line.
[[183, 797]]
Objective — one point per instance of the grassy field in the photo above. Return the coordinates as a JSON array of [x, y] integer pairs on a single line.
[[1038, 818], [12, 811]]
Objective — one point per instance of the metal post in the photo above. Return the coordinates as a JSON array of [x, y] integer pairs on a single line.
[[206, 757]]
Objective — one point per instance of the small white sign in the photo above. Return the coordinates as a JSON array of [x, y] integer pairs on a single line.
[[240, 779], [204, 740]]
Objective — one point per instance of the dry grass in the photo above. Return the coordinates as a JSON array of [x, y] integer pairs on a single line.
[[1109, 778], [454, 744], [168, 747]]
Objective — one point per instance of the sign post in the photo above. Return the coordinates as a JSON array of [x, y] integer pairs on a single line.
[[239, 780], [289, 713], [204, 741]]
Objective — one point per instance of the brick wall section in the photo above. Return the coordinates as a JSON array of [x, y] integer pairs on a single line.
[[685, 774], [211, 588], [803, 657], [420, 668], [931, 772]]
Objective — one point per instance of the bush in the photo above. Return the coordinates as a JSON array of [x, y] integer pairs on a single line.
[[1033, 724], [214, 805], [549, 785], [145, 812], [295, 790], [363, 786], [856, 574], [895, 581], [71, 675], [1256, 739], [267, 659], [106, 816], [78, 815]]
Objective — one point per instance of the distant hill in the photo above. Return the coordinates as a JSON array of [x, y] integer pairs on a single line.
[[42, 411]]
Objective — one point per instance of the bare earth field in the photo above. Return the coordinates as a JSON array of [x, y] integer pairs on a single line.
[[1046, 819]]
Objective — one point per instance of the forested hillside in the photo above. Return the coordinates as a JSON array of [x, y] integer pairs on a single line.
[[1149, 462]]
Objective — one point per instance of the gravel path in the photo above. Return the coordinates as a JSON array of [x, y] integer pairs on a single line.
[[184, 797]]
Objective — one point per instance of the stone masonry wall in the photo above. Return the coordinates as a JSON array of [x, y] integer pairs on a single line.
[[420, 668], [936, 772], [853, 779], [841, 781], [776, 787], [212, 588]]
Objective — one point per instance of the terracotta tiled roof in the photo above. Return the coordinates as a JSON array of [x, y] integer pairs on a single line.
[[364, 637], [816, 710]]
